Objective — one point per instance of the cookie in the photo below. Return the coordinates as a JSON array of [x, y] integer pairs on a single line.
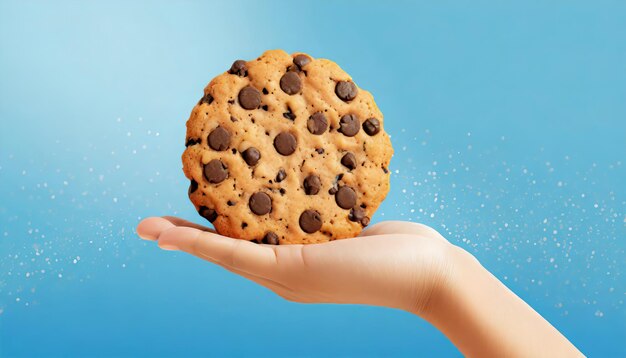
[[286, 149]]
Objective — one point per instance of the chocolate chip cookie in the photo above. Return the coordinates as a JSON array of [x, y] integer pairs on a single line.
[[286, 149]]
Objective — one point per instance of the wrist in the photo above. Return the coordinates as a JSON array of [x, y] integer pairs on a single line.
[[447, 260], [482, 317], [447, 283]]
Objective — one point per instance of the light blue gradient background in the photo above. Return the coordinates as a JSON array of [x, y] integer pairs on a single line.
[[508, 120]]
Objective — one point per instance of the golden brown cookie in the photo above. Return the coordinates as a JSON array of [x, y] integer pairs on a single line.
[[286, 149]]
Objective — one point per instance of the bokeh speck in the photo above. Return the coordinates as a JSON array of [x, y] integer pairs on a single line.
[[508, 127], [546, 225]]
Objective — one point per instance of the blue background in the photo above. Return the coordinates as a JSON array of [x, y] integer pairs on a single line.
[[508, 121]]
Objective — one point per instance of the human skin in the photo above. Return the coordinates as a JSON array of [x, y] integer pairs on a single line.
[[395, 264]]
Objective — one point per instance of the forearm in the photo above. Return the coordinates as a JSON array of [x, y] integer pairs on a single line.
[[482, 317]]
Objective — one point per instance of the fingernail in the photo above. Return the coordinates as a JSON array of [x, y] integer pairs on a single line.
[[169, 247], [146, 236]]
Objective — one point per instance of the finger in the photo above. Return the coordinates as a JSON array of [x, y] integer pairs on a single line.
[[242, 255], [182, 222], [272, 285], [151, 228], [276, 287]]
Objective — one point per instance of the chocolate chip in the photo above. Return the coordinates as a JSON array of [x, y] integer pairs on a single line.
[[249, 98], [289, 114], [207, 213], [285, 143], [365, 221], [301, 60], [371, 126], [333, 190], [270, 238], [319, 150], [233, 119], [281, 175], [192, 141], [349, 125], [265, 107], [356, 214], [312, 184], [282, 191], [215, 171], [193, 186], [260, 203], [207, 98], [239, 68], [317, 123], [310, 221], [385, 170], [251, 156], [345, 197], [265, 91], [230, 203], [348, 161], [290, 83], [219, 139], [346, 90]]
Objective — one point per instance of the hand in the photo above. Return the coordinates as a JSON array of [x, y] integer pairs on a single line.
[[393, 264]]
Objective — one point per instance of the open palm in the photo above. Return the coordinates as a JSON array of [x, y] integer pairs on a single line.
[[393, 264]]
